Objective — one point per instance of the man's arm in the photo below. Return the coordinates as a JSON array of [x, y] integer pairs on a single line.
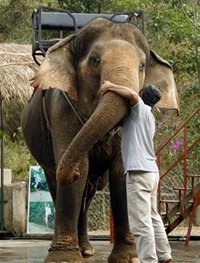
[[123, 91]]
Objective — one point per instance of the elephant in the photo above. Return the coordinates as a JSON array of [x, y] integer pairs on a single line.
[[75, 135]]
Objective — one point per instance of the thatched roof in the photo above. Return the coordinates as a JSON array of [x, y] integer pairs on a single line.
[[16, 70]]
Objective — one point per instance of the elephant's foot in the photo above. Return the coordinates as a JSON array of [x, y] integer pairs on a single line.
[[123, 254], [86, 249], [64, 257]]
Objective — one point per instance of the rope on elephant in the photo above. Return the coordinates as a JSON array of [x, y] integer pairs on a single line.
[[61, 43], [72, 107]]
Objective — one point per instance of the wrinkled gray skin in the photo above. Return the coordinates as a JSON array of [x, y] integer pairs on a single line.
[[102, 50]]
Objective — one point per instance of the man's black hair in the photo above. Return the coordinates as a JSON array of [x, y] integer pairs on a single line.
[[151, 95]]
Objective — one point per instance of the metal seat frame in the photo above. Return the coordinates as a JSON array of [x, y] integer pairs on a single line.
[[62, 23]]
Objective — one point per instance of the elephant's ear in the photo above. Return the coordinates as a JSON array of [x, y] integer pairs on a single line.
[[57, 69], [160, 74]]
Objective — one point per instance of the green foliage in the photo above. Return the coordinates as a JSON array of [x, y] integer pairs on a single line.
[[1, 134], [97, 6], [11, 118], [17, 157], [168, 123], [12, 17], [15, 19], [79, 6]]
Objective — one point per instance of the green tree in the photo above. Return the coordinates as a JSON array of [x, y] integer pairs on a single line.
[[15, 19], [86, 6]]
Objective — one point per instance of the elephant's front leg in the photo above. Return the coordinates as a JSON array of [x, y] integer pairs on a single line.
[[86, 248], [124, 249], [64, 246]]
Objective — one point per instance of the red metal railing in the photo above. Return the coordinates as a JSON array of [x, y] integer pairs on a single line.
[[183, 157]]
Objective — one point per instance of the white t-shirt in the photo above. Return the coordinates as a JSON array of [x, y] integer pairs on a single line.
[[137, 139]]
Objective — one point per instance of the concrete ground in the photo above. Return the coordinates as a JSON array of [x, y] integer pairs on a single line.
[[34, 251]]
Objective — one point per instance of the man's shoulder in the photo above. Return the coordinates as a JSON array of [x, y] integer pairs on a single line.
[[140, 110], [140, 103]]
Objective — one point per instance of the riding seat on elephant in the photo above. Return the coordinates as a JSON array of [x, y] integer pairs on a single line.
[[75, 135]]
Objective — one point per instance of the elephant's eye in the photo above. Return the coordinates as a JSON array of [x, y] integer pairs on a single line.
[[142, 67], [94, 60]]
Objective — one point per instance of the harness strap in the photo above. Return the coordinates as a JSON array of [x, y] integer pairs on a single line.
[[70, 104], [72, 107], [45, 111]]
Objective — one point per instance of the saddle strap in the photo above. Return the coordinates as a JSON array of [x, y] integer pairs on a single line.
[[45, 111]]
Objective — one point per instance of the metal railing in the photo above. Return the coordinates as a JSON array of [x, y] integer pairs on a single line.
[[181, 178]]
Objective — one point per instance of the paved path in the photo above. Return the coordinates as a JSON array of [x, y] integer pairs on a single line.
[[34, 251]]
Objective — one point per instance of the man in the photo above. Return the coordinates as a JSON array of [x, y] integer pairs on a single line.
[[142, 175], [47, 214], [37, 181]]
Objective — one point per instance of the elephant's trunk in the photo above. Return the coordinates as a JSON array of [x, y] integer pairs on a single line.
[[111, 109]]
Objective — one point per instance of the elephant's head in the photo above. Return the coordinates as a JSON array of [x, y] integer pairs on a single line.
[[102, 50]]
